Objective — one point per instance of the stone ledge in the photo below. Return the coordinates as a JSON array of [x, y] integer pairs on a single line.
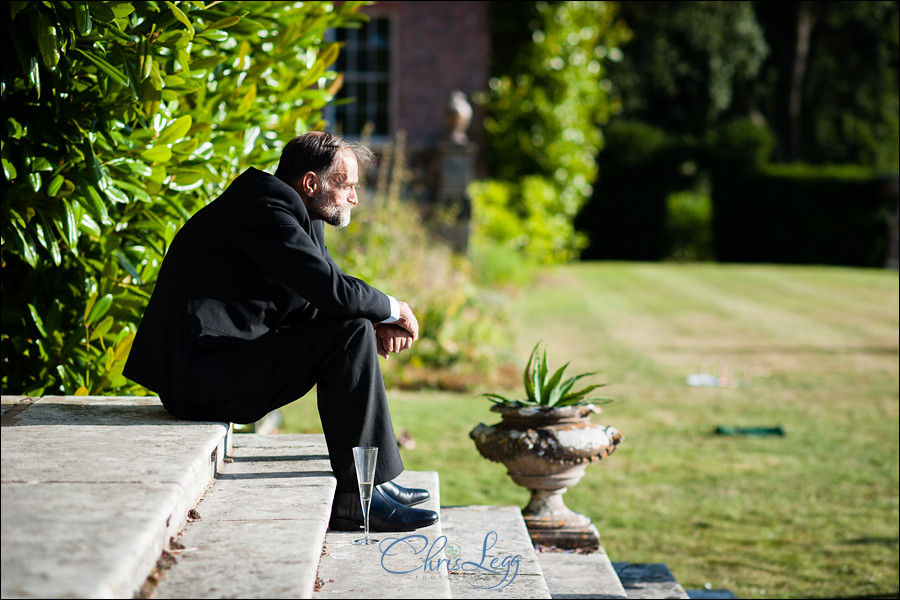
[[260, 526], [92, 489], [350, 571], [494, 537], [580, 575]]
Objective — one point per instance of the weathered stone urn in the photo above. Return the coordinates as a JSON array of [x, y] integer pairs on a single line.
[[546, 450]]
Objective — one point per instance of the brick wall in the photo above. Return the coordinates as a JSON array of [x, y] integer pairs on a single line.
[[437, 47]]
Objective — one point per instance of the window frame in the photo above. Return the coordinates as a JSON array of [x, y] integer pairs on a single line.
[[349, 65]]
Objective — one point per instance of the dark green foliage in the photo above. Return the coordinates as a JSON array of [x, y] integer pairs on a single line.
[[689, 225], [686, 64], [799, 213], [725, 88], [739, 145], [848, 106], [626, 217], [822, 75], [802, 214], [122, 119], [652, 201]]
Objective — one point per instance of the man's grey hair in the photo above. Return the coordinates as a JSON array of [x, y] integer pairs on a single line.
[[316, 151]]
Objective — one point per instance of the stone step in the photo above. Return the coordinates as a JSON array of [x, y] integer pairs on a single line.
[[401, 565], [649, 580], [576, 575], [261, 525], [92, 490], [490, 553]]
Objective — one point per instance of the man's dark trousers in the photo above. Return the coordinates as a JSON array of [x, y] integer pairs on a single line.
[[339, 356]]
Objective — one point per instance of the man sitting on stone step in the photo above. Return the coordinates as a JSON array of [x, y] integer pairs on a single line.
[[250, 312]]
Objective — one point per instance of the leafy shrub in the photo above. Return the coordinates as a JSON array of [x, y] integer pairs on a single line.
[[633, 144], [740, 145], [122, 119], [497, 266], [544, 110], [689, 225], [526, 216]]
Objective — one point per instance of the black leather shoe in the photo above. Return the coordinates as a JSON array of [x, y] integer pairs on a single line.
[[385, 513], [407, 496]]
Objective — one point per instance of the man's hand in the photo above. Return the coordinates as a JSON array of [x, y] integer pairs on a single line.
[[392, 338], [408, 320]]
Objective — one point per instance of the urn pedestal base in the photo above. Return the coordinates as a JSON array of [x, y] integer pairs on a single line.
[[551, 523]]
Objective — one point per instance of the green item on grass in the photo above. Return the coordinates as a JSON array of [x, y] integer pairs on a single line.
[[755, 431]]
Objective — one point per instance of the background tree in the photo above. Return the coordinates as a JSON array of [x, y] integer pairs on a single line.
[[122, 119], [829, 88], [821, 75], [715, 91], [687, 63]]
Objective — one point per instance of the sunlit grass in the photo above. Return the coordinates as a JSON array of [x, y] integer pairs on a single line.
[[810, 514]]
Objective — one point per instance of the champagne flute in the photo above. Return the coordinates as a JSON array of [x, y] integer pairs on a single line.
[[365, 458]]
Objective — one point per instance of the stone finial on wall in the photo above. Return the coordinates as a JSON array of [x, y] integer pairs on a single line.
[[453, 168], [458, 116]]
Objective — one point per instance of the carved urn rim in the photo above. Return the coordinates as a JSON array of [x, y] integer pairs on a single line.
[[544, 415]]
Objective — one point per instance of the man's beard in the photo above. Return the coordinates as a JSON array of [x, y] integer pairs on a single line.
[[329, 211]]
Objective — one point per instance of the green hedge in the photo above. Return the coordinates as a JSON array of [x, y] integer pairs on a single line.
[[626, 218], [802, 214], [760, 212]]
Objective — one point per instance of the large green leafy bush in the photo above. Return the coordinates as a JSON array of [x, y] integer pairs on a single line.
[[122, 119], [545, 108]]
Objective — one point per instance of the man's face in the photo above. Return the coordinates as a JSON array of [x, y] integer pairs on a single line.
[[337, 196]]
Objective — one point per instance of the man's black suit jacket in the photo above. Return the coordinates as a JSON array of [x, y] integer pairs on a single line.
[[245, 265]]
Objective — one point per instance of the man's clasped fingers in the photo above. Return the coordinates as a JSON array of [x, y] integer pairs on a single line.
[[392, 339]]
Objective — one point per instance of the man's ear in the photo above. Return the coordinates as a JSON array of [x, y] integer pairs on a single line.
[[309, 183]]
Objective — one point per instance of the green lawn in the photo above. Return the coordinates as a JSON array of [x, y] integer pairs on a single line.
[[811, 514]]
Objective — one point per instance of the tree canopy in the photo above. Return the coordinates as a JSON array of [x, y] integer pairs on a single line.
[[822, 75]]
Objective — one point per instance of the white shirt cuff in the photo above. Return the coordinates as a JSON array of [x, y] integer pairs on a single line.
[[395, 311]]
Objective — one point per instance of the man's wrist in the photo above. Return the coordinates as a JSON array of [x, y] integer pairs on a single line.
[[395, 311]]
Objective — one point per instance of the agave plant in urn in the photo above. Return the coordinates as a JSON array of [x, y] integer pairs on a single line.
[[546, 440]]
